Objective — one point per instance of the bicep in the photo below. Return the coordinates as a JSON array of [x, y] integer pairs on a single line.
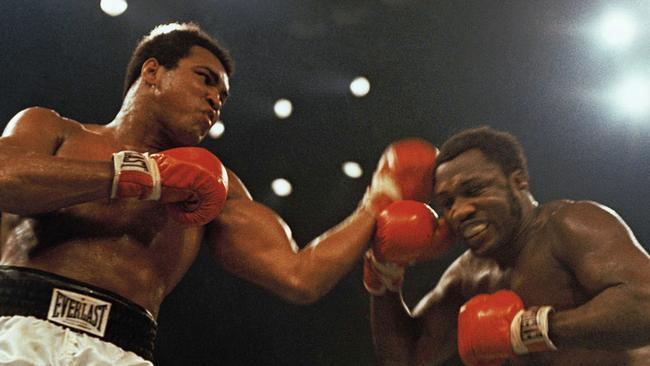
[[599, 248], [250, 240]]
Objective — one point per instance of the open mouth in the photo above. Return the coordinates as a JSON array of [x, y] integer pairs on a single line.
[[473, 230]]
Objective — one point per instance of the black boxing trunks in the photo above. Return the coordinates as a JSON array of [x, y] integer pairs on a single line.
[[77, 306]]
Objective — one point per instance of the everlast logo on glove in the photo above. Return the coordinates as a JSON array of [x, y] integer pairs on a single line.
[[134, 161], [135, 175], [79, 311]]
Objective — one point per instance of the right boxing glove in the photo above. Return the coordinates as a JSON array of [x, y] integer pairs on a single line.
[[192, 180], [484, 328], [407, 231], [404, 172], [493, 327]]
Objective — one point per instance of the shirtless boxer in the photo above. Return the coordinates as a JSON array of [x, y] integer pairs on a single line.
[[562, 283], [100, 222]]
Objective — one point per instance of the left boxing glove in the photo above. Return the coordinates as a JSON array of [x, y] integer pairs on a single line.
[[493, 327], [192, 180], [404, 172], [407, 232]]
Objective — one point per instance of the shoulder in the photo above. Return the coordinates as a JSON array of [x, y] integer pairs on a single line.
[[40, 118], [236, 188], [39, 130], [583, 218], [240, 208], [582, 227]]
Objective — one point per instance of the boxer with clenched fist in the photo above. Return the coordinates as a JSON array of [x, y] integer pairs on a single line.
[[561, 283], [101, 221]]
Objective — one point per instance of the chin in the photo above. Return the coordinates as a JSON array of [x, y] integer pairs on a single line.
[[480, 252], [485, 249], [192, 138]]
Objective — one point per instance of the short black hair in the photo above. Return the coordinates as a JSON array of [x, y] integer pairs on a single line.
[[168, 43], [498, 146]]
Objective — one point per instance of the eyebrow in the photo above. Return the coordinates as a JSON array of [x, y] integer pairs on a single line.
[[464, 184], [214, 77], [473, 180]]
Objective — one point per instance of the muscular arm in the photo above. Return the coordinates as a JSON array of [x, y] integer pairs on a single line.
[[251, 241], [424, 336], [32, 179], [612, 267]]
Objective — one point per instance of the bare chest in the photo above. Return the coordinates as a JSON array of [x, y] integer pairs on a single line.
[[128, 246], [540, 279], [142, 221]]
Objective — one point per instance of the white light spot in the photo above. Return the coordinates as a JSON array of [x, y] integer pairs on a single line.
[[360, 86], [283, 108], [281, 187], [618, 28], [217, 130], [632, 96], [113, 7], [352, 169]]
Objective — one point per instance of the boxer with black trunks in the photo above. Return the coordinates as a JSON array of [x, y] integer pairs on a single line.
[[562, 283], [100, 222]]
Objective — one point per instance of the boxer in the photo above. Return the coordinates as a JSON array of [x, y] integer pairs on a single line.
[[101, 221], [561, 283]]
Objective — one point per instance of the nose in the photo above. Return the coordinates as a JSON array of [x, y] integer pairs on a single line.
[[214, 100], [462, 210], [215, 103]]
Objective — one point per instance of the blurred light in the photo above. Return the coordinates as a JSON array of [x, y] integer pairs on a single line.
[[360, 86], [283, 108], [113, 7], [632, 96], [618, 28], [281, 187], [352, 169], [217, 130]]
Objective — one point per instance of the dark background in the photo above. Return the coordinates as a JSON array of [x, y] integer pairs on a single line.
[[529, 67]]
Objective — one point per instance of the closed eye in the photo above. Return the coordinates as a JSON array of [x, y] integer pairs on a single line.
[[207, 78], [474, 191], [444, 202]]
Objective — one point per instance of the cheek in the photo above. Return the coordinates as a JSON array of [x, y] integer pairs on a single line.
[[501, 214], [178, 93]]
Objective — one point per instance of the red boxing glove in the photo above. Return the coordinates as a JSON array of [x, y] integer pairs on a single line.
[[192, 180], [404, 172], [493, 327], [407, 231]]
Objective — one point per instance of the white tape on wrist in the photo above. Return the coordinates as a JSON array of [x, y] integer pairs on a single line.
[[391, 275], [529, 331], [133, 161]]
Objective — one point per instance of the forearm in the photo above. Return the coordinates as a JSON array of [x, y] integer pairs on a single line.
[[393, 330], [329, 257], [251, 241], [618, 318], [36, 183]]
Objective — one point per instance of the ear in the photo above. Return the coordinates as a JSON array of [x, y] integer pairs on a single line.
[[149, 71], [519, 179]]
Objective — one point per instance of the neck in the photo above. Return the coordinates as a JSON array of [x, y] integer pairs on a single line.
[[135, 126], [527, 224]]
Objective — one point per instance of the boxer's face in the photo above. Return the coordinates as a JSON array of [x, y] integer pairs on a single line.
[[479, 201], [191, 95]]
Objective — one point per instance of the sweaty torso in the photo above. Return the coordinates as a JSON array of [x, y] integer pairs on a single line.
[[540, 279], [128, 247]]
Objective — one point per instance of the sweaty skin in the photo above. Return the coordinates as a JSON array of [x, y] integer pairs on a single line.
[[55, 180], [578, 257]]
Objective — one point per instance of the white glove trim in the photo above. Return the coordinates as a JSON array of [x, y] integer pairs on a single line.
[[134, 161], [529, 331], [390, 274]]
